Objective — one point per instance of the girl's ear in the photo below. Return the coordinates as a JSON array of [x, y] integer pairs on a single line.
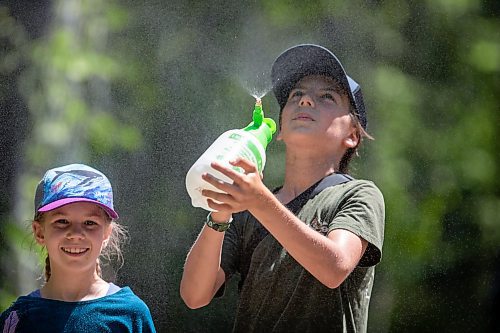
[[107, 235], [38, 230]]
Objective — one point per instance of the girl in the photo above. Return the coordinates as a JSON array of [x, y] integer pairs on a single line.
[[75, 222]]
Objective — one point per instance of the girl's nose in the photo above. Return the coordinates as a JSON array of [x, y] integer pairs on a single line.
[[75, 232]]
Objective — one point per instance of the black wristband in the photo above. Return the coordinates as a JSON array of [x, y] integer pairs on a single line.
[[218, 226]]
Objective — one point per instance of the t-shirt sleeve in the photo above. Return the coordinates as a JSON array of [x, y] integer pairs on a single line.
[[362, 211], [230, 248], [127, 306], [146, 320]]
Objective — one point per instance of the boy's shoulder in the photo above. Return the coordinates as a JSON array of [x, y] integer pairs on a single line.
[[356, 187], [356, 191]]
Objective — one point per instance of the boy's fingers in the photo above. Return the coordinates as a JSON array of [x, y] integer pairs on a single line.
[[233, 174], [217, 196], [245, 164], [216, 182], [217, 205]]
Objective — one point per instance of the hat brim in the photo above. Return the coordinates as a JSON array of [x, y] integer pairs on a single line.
[[309, 59], [66, 201]]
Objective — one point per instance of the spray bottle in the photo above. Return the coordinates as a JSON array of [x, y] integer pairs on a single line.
[[249, 142]]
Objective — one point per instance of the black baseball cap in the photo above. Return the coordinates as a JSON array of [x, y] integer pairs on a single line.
[[309, 59]]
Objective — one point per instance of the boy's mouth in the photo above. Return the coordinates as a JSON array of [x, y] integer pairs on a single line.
[[303, 116]]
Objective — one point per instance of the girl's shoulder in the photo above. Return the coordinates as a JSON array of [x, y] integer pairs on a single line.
[[22, 301], [10, 318], [127, 298]]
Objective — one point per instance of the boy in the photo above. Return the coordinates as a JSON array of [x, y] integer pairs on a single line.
[[306, 256]]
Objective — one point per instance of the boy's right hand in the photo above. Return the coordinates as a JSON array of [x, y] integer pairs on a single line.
[[246, 192]]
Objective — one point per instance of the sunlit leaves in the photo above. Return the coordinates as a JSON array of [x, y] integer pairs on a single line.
[[489, 219], [64, 54], [454, 8], [104, 134], [485, 55]]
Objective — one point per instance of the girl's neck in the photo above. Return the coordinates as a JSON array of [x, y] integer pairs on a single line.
[[74, 288]]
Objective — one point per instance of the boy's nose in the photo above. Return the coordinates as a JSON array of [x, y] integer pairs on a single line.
[[306, 101]]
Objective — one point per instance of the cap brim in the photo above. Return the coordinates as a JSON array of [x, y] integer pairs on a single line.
[[309, 59], [65, 201]]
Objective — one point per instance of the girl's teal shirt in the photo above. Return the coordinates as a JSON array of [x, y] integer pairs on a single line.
[[121, 311]]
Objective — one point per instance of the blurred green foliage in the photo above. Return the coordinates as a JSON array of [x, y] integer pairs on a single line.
[[141, 90]]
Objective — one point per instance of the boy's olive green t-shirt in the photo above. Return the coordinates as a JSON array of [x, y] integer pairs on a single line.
[[277, 294]]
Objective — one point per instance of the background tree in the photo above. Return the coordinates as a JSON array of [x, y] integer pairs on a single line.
[[141, 90]]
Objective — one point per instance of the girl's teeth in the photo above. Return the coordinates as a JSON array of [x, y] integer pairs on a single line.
[[73, 250]]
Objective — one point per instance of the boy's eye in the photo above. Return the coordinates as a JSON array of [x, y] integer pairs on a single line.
[[296, 93], [327, 96], [90, 222]]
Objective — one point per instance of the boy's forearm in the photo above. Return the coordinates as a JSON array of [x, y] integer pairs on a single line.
[[324, 258], [202, 273]]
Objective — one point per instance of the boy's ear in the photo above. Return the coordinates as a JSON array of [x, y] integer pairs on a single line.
[[352, 140], [278, 136], [37, 228]]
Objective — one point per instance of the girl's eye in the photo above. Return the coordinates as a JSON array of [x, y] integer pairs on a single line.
[[60, 223], [90, 222]]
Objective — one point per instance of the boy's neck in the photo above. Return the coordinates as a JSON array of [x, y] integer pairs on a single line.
[[301, 173]]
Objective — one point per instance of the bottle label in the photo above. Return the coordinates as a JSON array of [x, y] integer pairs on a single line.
[[247, 150]]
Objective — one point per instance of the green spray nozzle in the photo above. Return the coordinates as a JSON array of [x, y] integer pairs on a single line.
[[262, 128], [258, 113]]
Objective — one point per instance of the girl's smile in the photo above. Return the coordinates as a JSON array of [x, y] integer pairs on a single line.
[[74, 251]]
